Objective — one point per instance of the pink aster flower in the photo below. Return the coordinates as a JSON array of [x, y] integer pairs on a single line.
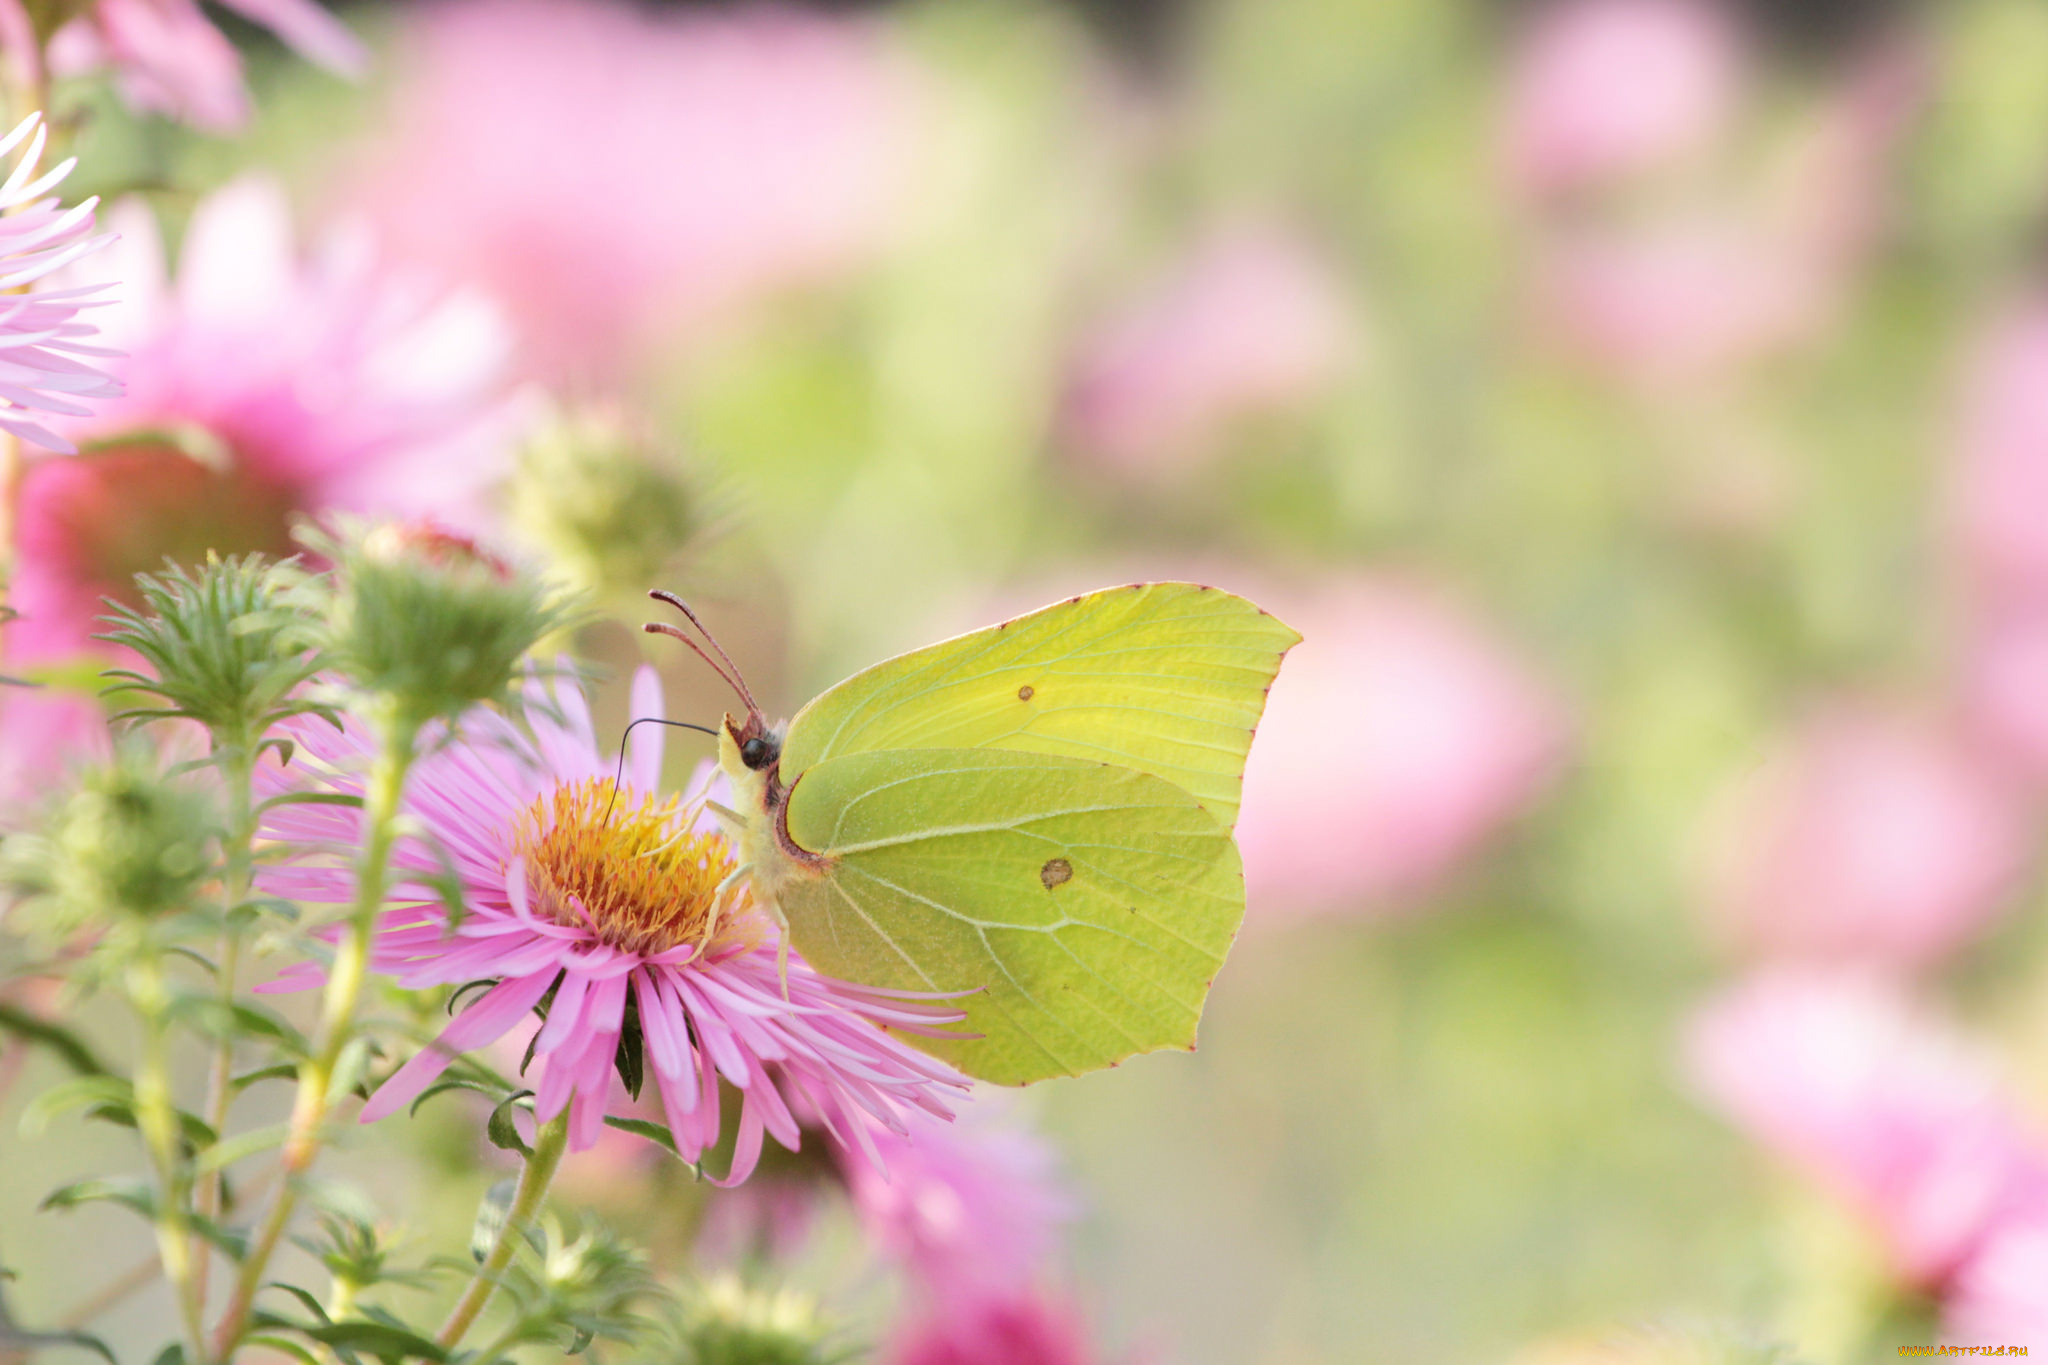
[[1905, 1120], [972, 1210], [617, 177], [590, 905], [1599, 89], [1253, 323], [1400, 735], [43, 342], [168, 58], [1873, 836]]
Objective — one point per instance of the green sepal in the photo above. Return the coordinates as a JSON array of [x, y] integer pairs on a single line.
[[500, 1130]]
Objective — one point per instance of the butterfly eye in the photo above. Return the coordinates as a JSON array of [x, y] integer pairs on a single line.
[[757, 753]]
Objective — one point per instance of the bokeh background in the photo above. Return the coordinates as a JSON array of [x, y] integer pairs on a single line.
[[1641, 407]]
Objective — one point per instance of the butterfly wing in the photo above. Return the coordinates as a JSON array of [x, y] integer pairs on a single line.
[[1087, 906], [1166, 678]]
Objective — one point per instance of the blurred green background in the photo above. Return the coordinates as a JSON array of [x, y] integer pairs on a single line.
[[1439, 1116]]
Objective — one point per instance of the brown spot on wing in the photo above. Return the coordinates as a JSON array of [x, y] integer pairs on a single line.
[[1056, 872], [1026, 692]]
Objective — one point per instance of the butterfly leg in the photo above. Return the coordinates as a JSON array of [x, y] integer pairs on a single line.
[[722, 895]]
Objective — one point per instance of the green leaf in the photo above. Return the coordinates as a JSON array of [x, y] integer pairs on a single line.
[[17, 1340], [442, 1086], [349, 1069], [97, 1089], [305, 1298], [374, 1338], [289, 911], [75, 1052], [234, 1149], [135, 1195], [309, 799], [194, 955], [173, 1354], [289, 1347], [231, 1022], [279, 1071]]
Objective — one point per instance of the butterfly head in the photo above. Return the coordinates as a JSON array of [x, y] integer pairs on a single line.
[[751, 744], [749, 750]]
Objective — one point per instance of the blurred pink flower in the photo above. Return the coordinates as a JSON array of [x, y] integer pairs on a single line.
[[1902, 1118], [44, 346], [2001, 468], [1252, 323], [168, 58], [1871, 837], [972, 1209], [1027, 1330], [614, 177], [1601, 89], [1399, 735], [768, 1219], [2004, 688], [1739, 271], [2001, 1296], [1687, 299], [263, 386]]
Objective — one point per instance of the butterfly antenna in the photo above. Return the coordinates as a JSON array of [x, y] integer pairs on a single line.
[[620, 774], [730, 670]]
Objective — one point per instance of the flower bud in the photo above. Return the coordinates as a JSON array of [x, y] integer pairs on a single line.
[[128, 840], [429, 621], [219, 644], [578, 1288], [610, 508], [728, 1323]]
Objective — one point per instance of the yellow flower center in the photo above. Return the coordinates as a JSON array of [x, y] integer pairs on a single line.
[[631, 871]]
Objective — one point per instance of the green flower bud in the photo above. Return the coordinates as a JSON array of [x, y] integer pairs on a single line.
[[579, 1288], [727, 1323], [220, 644], [428, 621], [128, 841], [612, 510]]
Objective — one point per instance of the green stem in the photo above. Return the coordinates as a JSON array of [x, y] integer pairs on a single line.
[[337, 1022], [498, 1345], [238, 770], [156, 1118], [548, 1146]]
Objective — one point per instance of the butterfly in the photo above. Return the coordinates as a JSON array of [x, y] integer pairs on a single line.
[[1034, 817]]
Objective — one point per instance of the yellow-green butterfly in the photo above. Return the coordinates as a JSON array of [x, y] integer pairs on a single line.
[[1037, 814]]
